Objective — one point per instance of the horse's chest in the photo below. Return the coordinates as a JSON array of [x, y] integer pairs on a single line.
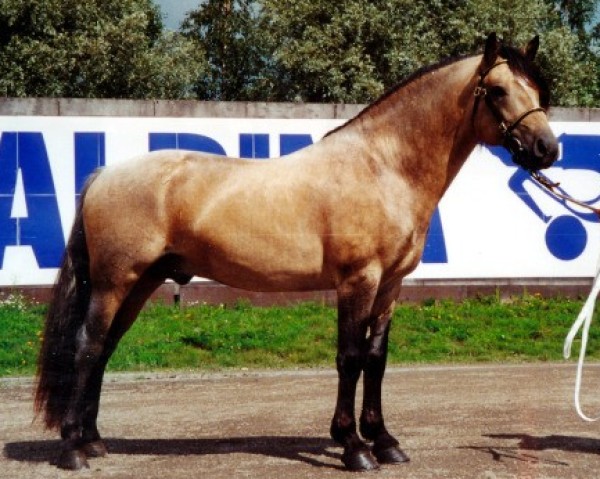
[[402, 243]]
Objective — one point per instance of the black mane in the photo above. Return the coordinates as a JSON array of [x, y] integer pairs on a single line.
[[409, 79]]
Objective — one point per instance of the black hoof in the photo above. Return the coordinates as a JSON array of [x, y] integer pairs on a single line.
[[391, 455], [95, 449], [361, 460], [73, 460]]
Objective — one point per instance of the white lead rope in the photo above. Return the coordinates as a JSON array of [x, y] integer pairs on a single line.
[[583, 322]]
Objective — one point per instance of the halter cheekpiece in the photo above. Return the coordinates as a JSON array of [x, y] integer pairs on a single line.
[[511, 142]]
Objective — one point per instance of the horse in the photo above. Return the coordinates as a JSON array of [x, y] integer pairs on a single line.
[[348, 213]]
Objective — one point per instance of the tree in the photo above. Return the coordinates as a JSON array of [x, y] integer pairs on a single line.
[[351, 51], [230, 32], [566, 60], [280, 50], [578, 15], [92, 48], [328, 51]]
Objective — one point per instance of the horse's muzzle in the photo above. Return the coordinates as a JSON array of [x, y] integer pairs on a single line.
[[542, 153]]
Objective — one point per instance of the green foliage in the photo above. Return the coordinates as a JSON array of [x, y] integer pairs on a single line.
[[91, 48], [21, 326], [526, 328], [575, 74], [351, 51], [231, 34], [279, 50], [328, 51]]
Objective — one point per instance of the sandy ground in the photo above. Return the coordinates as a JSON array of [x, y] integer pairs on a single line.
[[488, 421]]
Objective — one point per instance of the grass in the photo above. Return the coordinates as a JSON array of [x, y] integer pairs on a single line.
[[526, 328]]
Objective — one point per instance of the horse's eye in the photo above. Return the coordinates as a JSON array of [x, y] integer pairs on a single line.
[[497, 92]]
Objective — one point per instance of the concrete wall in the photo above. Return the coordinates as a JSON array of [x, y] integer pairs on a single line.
[[207, 109], [175, 108]]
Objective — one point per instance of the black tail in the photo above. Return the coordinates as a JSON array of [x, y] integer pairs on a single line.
[[66, 313]]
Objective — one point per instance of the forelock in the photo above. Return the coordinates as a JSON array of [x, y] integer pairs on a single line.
[[520, 65]]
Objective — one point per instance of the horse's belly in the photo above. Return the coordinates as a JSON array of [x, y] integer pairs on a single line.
[[265, 262]]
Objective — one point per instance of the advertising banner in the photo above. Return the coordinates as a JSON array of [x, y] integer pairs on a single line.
[[494, 221]]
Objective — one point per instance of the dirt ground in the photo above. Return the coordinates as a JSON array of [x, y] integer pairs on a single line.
[[488, 421]]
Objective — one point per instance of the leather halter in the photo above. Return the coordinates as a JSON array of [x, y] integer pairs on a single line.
[[510, 141]]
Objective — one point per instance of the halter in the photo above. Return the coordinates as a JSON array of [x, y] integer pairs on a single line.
[[510, 141]]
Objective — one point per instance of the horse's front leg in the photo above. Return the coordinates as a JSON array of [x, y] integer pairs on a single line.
[[385, 446], [353, 311]]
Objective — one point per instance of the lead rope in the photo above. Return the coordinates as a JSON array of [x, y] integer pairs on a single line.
[[584, 319], [583, 322]]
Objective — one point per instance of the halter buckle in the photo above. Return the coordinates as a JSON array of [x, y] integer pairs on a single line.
[[480, 91]]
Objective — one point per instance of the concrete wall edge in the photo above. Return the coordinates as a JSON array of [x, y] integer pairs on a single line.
[[212, 109]]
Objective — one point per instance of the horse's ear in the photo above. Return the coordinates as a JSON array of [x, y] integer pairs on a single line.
[[532, 47], [492, 45]]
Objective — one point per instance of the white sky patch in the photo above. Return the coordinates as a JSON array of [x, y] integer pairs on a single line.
[[174, 11]]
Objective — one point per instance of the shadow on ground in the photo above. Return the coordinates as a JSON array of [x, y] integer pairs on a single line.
[[301, 449], [527, 442], [586, 445]]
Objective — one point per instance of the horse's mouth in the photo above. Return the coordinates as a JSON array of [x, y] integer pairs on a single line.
[[540, 156]]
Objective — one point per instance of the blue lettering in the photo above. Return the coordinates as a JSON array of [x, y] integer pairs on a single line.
[[41, 229], [8, 183], [435, 243], [90, 154], [291, 143], [254, 145], [184, 141], [580, 152]]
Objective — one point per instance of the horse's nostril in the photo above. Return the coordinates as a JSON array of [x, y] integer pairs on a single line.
[[540, 149], [546, 149]]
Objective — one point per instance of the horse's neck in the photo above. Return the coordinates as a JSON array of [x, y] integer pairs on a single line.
[[424, 129]]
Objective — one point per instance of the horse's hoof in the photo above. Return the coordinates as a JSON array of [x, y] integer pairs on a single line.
[[391, 455], [73, 460], [361, 460], [95, 449]]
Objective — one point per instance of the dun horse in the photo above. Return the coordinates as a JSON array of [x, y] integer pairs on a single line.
[[349, 213]]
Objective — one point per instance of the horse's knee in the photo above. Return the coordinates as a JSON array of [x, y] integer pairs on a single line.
[[350, 364]]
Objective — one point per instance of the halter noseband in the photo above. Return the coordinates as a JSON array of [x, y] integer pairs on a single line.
[[510, 142]]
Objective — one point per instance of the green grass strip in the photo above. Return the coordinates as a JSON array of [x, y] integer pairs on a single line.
[[525, 328]]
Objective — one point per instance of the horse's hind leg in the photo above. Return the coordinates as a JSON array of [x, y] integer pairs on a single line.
[[385, 446], [90, 345], [93, 446]]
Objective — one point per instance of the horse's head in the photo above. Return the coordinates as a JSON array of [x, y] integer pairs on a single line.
[[511, 99]]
